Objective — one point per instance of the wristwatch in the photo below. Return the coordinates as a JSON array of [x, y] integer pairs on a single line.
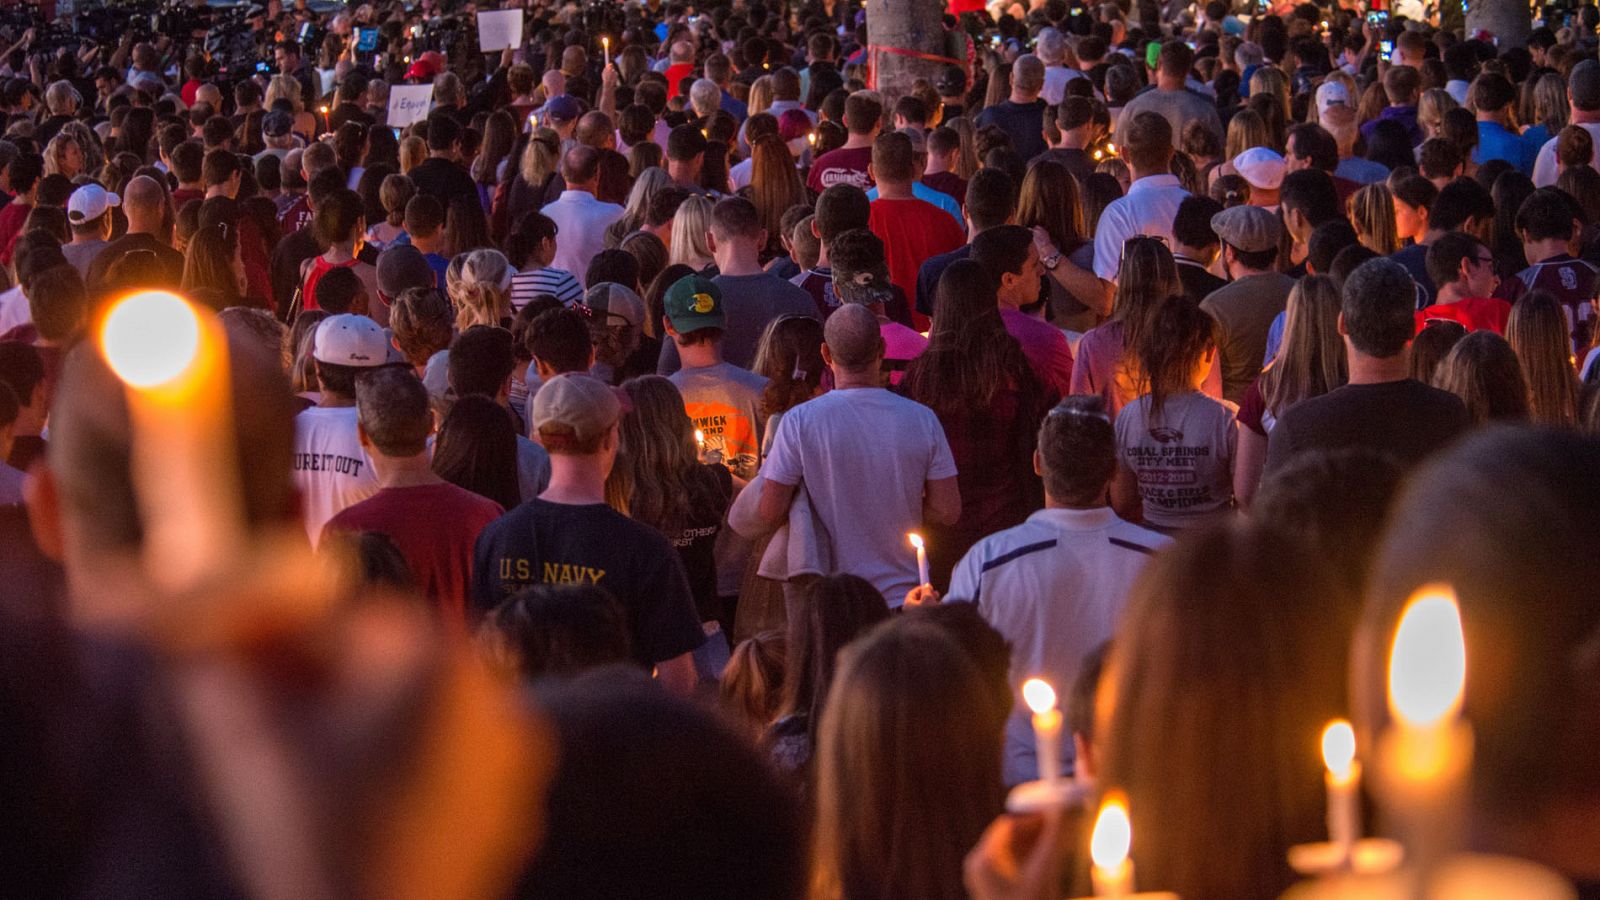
[[1052, 261]]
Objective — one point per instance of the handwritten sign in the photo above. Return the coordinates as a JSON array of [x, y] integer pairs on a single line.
[[499, 29], [409, 103]]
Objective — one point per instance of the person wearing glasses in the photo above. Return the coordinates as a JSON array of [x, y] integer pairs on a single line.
[[1462, 269]]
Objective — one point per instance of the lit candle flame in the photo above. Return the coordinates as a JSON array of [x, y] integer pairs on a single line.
[[1113, 835], [1039, 695], [1339, 748], [151, 338], [915, 539], [1428, 662], [324, 109], [699, 437]]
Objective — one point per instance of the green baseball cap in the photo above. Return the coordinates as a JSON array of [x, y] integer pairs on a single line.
[[693, 303]]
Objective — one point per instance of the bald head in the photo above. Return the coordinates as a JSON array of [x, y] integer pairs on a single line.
[[852, 338], [142, 201], [682, 52]]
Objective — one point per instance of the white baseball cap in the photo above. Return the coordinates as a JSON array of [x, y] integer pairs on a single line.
[[1261, 167], [350, 340], [1330, 93], [90, 202]]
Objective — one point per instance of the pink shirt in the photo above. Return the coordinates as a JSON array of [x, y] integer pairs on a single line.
[[1046, 348], [900, 343]]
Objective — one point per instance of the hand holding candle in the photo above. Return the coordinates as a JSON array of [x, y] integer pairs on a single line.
[[1041, 698], [922, 558]]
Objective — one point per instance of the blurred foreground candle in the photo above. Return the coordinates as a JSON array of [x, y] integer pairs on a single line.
[[605, 46], [1343, 780], [700, 440], [1041, 698], [173, 361], [1426, 753], [922, 558], [1108, 848]]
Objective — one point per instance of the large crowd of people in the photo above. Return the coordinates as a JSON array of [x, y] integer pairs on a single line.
[[1184, 341]]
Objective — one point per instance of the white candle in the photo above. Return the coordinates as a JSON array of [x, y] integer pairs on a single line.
[[1041, 698], [700, 440], [605, 46], [173, 363], [1108, 848], [922, 558], [1426, 753], [1343, 780]]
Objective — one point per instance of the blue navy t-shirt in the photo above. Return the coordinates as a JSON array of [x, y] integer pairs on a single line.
[[541, 542]]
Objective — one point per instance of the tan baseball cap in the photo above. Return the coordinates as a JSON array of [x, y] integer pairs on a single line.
[[580, 403]]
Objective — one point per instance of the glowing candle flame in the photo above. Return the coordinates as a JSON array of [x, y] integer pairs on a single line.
[[1113, 835], [1428, 662], [699, 437], [150, 338], [1339, 748], [1039, 695], [915, 539]]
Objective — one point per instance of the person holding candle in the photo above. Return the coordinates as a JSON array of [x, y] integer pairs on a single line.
[[1522, 508], [1216, 691], [1056, 584], [875, 465]]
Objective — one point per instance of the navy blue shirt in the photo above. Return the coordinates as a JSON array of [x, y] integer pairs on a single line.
[[541, 542], [928, 276]]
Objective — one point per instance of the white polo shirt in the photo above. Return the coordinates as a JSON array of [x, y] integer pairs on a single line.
[[581, 223], [1149, 207], [1054, 586]]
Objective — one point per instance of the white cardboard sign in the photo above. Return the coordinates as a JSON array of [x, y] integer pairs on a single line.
[[409, 103], [499, 29]]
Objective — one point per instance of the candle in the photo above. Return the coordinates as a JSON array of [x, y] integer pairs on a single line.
[[1041, 698], [533, 122], [700, 440], [174, 367], [323, 109], [1108, 848], [1426, 753], [811, 138], [605, 46], [1343, 780], [922, 558]]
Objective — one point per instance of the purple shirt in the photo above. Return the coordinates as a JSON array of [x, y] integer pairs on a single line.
[[1046, 348], [900, 343], [1405, 115]]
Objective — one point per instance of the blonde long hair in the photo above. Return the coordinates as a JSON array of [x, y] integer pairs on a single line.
[[284, 87], [540, 157], [689, 227], [1372, 213], [1245, 130], [1312, 361], [1538, 332], [774, 184]]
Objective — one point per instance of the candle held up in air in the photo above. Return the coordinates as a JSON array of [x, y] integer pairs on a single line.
[[1343, 782], [1041, 699], [922, 557], [1108, 849], [173, 363]]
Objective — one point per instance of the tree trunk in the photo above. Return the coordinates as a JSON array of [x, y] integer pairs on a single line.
[[912, 26], [1507, 20]]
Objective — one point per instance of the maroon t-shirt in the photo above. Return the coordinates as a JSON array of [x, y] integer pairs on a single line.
[[435, 526], [846, 165]]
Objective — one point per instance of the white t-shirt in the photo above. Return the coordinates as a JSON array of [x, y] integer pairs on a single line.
[[1183, 459], [1054, 586], [1055, 83], [331, 468], [865, 456], [1545, 168], [14, 309]]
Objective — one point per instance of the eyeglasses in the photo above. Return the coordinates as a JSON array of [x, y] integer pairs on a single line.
[[1484, 260]]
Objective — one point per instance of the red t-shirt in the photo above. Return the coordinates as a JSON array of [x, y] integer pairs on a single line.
[[676, 73], [182, 196], [319, 268], [1474, 313], [435, 526], [912, 230], [845, 165], [12, 217]]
